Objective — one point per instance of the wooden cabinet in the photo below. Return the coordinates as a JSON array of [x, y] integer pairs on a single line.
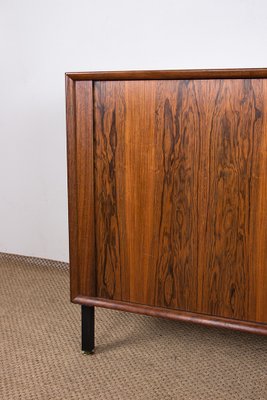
[[167, 180]]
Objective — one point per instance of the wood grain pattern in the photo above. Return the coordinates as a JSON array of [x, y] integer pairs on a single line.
[[180, 194], [85, 187], [107, 161], [80, 187], [234, 137], [176, 213], [259, 268]]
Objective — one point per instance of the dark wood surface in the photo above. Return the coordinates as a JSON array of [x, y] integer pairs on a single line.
[[81, 187], [171, 74], [72, 185], [180, 177], [167, 180]]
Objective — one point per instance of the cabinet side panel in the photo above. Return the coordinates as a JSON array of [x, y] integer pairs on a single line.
[[72, 185], [85, 188]]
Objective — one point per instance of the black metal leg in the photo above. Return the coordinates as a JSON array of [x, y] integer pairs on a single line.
[[88, 329]]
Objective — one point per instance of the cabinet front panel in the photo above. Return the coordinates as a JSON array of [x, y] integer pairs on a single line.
[[180, 176]]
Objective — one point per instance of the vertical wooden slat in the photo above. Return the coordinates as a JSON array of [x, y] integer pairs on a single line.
[[176, 213], [85, 187], [260, 219], [81, 187], [109, 189]]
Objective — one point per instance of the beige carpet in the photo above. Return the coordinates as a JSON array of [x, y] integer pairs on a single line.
[[136, 357]]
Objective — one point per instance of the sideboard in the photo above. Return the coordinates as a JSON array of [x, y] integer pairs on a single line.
[[167, 186]]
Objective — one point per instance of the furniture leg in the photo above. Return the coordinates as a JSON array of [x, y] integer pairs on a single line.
[[88, 329]]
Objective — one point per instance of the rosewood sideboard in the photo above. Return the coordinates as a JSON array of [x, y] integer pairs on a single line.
[[167, 186]]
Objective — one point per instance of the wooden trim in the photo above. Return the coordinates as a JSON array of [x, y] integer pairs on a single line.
[[196, 318], [171, 74], [72, 185]]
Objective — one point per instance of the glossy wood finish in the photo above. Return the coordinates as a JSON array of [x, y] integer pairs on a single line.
[[81, 187], [168, 205], [72, 185], [177, 194], [177, 315], [170, 74]]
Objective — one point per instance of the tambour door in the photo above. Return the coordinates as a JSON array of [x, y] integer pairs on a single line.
[[180, 169]]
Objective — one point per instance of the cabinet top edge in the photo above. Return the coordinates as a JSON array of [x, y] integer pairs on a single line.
[[243, 73]]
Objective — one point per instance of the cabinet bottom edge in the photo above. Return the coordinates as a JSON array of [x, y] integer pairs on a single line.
[[178, 315]]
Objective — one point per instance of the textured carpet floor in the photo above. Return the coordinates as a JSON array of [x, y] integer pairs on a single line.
[[136, 357]]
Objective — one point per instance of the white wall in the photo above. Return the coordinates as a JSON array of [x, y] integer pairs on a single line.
[[40, 40]]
